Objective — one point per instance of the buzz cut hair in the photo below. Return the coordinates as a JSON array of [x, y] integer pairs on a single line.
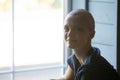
[[84, 14]]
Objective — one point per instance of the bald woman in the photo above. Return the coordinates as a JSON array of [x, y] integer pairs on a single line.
[[86, 63]]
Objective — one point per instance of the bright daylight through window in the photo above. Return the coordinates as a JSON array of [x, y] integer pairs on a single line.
[[31, 34]]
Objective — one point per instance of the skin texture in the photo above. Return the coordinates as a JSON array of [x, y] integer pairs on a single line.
[[78, 32]]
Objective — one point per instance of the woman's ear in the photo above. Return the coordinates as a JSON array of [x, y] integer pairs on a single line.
[[92, 34]]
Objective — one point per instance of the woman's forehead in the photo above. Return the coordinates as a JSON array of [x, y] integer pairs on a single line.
[[76, 21]]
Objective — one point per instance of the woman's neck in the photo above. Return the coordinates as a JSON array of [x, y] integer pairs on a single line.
[[81, 54]]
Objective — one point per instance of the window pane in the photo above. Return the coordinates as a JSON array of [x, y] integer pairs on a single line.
[[38, 35], [6, 35], [6, 77], [39, 74]]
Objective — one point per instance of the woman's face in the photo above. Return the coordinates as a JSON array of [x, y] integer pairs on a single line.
[[76, 32]]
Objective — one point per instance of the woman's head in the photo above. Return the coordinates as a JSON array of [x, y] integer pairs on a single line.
[[79, 28]]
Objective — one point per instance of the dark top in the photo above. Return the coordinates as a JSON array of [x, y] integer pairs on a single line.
[[95, 67]]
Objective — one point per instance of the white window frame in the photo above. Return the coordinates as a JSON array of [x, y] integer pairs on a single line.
[[12, 71]]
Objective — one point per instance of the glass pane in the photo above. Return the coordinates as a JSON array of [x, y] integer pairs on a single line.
[[39, 74], [38, 36], [6, 35], [6, 77]]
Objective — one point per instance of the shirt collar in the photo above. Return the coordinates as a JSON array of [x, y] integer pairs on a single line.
[[92, 51]]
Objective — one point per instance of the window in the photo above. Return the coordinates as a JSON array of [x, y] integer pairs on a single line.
[[31, 39]]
